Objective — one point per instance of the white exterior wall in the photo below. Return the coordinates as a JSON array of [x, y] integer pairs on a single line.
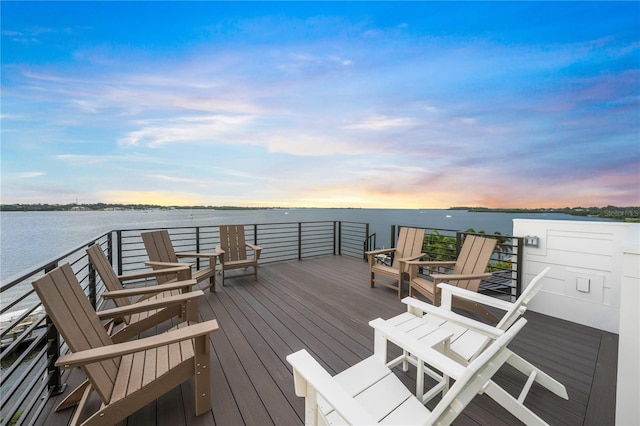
[[586, 260], [628, 391], [595, 281]]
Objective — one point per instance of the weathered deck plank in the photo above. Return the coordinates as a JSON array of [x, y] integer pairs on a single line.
[[324, 305]]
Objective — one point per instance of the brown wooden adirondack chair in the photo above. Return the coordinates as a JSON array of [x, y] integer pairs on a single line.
[[468, 271], [162, 255], [409, 247], [138, 322], [126, 376], [232, 252]]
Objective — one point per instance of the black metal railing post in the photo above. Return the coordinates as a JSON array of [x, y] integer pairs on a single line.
[[197, 247], [393, 236], [255, 234], [299, 240], [119, 233], [520, 260], [54, 384], [340, 238], [110, 247], [335, 236], [367, 242], [93, 296]]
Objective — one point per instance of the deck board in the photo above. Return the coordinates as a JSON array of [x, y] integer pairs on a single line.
[[324, 304]]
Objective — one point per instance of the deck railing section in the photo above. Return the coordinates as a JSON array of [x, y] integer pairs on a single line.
[[29, 375], [31, 344], [279, 241]]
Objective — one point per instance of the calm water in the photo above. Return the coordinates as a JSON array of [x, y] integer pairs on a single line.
[[31, 238]]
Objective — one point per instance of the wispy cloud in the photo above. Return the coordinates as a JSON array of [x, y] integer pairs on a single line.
[[168, 178], [29, 175], [201, 129], [381, 123]]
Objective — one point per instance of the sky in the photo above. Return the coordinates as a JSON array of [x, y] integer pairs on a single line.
[[321, 104]]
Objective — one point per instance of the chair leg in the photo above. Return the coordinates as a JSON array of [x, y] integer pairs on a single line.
[[212, 283], [81, 406], [202, 375], [371, 275], [191, 310], [74, 397], [526, 368], [512, 405]]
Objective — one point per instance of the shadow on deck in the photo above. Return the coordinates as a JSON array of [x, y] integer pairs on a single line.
[[324, 305]]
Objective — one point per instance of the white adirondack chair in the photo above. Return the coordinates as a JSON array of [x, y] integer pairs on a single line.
[[470, 338], [369, 393]]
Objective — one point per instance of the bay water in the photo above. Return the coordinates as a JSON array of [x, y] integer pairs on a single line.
[[30, 238]]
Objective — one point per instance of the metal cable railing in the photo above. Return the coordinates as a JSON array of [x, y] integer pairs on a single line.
[[31, 344]]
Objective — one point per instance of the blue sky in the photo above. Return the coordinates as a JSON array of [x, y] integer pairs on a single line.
[[321, 104]]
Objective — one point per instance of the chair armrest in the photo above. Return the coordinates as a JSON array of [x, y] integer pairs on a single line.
[[257, 250], [166, 264], [380, 251], [178, 285], [111, 351], [449, 290], [427, 354], [147, 274], [196, 255], [453, 317], [458, 277], [148, 305], [219, 251], [412, 258], [431, 262], [309, 374]]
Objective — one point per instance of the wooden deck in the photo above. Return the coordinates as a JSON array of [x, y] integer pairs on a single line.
[[324, 305]]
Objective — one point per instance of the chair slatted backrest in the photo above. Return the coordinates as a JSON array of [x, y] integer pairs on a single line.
[[160, 249], [232, 241], [473, 259], [76, 320], [519, 306], [103, 267], [410, 241]]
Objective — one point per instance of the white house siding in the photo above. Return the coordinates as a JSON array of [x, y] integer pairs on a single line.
[[628, 385], [586, 260]]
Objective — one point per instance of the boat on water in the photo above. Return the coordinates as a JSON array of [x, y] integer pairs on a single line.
[[11, 326]]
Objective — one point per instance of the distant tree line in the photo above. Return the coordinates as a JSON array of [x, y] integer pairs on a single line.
[[609, 212]]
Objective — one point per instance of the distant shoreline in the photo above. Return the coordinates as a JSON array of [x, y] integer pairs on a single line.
[[631, 214]]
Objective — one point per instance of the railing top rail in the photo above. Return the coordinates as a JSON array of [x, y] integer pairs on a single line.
[[244, 224]]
